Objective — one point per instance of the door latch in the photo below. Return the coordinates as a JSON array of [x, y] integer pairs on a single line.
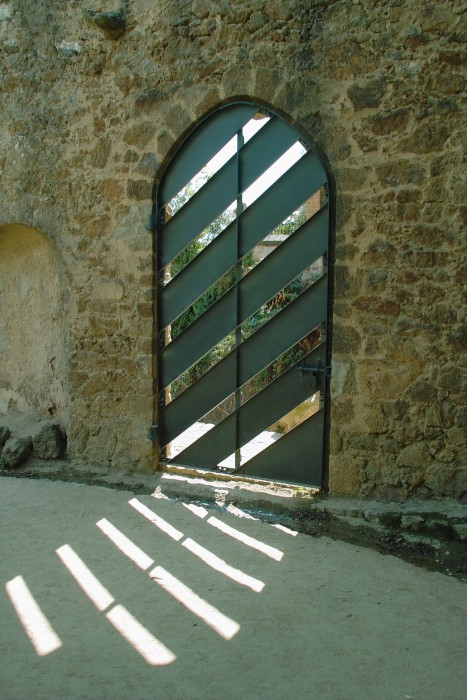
[[315, 370]]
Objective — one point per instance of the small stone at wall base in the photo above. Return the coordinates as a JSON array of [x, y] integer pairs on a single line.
[[4, 434], [15, 451], [48, 443]]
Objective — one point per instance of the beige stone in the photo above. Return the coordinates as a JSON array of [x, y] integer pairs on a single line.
[[109, 290], [344, 478], [415, 456]]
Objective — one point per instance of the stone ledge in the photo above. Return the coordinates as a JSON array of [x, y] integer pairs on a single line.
[[431, 534], [438, 518]]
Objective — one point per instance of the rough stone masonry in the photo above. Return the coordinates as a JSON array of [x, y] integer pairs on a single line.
[[94, 96]]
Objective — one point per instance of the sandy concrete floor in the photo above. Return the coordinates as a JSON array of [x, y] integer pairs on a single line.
[[313, 618]]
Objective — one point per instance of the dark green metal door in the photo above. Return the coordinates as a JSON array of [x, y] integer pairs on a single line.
[[242, 299]]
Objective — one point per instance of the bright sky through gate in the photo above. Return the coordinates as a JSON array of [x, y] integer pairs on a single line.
[[273, 173]]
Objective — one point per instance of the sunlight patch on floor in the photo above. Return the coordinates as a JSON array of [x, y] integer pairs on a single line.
[[239, 513], [93, 588], [266, 549], [197, 510], [125, 545], [37, 627], [219, 622], [293, 533], [220, 565], [156, 520], [152, 651]]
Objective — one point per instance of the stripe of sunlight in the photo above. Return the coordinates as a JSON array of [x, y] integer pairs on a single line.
[[239, 513], [197, 510], [220, 565], [37, 627], [125, 545], [202, 513], [156, 520], [187, 479], [152, 651], [273, 173], [93, 588], [219, 622], [293, 533], [141, 559], [266, 549]]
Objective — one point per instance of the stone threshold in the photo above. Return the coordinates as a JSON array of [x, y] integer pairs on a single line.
[[429, 533]]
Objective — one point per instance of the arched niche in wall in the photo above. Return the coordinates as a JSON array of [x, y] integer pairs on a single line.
[[33, 367]]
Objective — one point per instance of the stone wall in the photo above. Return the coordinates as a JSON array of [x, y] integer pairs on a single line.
[[93, 104]]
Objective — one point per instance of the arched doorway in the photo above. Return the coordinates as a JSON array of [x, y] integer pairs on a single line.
[[32, 343], [242, 239]]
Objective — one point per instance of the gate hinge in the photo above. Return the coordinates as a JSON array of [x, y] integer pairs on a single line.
[[153, 432], [150, 226]]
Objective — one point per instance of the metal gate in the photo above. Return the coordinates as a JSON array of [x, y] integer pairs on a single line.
[[242, 299]]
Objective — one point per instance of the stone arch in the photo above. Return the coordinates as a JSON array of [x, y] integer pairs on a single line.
[[33, 366]]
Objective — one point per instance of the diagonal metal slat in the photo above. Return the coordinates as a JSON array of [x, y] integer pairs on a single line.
[[198, 399], [211, 389], [281, 332], [204, 395], [263, 149], [196, 278], [294, 187], [195, 152], [272, 403], [283, 394], [290, 325], [283, 265], [297, 457], [221, 255], [210, 201], [222, 189], [200, 337]]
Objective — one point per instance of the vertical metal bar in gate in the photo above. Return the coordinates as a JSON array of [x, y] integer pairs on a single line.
[[291, 335]]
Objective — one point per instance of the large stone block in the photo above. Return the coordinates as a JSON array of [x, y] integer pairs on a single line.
[[367, 96], [344, 475], [427, 138], [415, 456], [383, 469], [48, 442], [403, 172], [4, 434], [15, 451], [346, 338]]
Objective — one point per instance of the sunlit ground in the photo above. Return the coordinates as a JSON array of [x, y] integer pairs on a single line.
[[111, 595]]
